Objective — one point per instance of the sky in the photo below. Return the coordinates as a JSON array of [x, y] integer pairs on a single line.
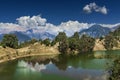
[[54, 16], [57, 11]]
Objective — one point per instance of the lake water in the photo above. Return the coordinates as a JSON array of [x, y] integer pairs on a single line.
[[90, 66]]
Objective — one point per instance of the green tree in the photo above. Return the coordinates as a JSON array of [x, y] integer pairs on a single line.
[[63, 46], [76, 36], [86, 44], [46, 42], [10, 40], [32, 41], [110, 42], [53, 43], [74, 42], [61, 38], [101, 38]]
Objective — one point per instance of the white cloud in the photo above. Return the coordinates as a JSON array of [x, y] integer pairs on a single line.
[[53, 29], [40, 25], [110, 25], [103, 10], [34, 21], [9, 27], [73, 26], [89, 8]]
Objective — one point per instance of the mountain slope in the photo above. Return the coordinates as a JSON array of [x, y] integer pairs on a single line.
[[21, 36], [39, 35], [96, 31], [1, 36]]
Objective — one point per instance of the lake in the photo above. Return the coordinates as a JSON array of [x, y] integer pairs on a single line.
[[91, 66]]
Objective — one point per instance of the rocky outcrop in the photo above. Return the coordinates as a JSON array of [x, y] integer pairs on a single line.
[[99, 45]]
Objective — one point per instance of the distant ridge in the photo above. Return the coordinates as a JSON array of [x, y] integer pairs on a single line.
[[96, 31]]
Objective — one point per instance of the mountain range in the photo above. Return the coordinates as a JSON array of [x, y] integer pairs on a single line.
[[96, 31], [93, 31], [39, 35]]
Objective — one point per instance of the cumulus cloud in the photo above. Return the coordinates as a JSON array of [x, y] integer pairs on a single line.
[[40, 25], [34, 21], [73, 26], [89, 8], [50, 28]]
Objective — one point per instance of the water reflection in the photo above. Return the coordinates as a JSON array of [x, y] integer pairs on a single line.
[[82, 67], [30, 66], [107, 54], [26, 68]]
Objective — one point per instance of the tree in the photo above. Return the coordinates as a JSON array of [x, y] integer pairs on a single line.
[[10, 40], [86, 44], [32, 41], [74, 42], [101, 38], [61, 38], [110, 42], [53, 43], [63, 46], [46, 42], [76, 36]]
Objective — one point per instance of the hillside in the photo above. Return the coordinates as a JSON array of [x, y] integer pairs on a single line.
[[21, 36], [7, 53]]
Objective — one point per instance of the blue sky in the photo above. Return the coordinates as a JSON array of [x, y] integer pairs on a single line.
[[57, 11]]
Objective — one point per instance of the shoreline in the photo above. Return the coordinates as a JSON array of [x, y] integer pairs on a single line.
[[12, 57], [28, 55], [8, 54], [106, 49]]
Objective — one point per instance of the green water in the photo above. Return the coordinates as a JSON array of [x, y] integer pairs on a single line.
[[90, 66]]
